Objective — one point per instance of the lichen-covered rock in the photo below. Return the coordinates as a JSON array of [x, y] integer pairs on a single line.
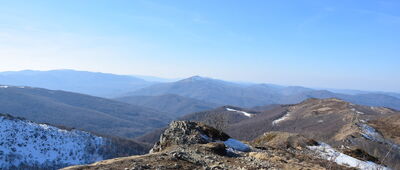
[[188, 133]]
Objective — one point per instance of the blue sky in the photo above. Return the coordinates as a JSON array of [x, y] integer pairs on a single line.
[[329, 44]]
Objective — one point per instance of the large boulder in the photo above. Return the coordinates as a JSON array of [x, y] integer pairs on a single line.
[[188, 133]]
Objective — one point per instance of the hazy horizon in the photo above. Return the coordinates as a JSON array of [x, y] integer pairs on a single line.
[[174, 79], [316, 44]]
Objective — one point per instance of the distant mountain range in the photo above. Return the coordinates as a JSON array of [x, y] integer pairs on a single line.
[[92, 83], [209, 92], [244, 95], [176, 105], [356, 92], [28, 145], [212, 90], [80, 111]]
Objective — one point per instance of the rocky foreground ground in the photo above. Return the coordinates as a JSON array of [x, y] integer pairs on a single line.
[[191, 145]]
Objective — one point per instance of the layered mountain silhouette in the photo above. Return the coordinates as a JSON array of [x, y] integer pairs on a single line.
[[92, 83], [80, 111], [205, 90], [210, 90], [228, 93]]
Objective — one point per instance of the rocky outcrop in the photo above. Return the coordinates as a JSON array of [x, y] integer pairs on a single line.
[[188, 133]]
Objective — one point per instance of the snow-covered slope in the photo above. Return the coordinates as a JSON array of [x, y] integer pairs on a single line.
[[27, 144]]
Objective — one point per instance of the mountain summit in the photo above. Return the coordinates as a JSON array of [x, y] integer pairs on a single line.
[[196, 78]]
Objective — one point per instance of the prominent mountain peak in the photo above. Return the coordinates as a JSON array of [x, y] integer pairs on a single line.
[[195, 78]]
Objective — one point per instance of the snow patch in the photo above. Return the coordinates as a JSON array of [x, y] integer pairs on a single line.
[[242, 112], [5, 87], [372, 134], [357, 112], [236, 145], [327, 152], [369, 132], [284, 117]]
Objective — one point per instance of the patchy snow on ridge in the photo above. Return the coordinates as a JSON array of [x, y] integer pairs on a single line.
[[284, 117], [6, 87], [357, 112], [231, 144], [38, 145], [242, 112], [370, 133], [327, 152]]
